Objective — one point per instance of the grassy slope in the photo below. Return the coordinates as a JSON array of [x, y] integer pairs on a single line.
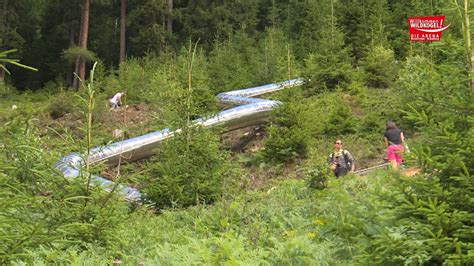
[[282, 222], [287, 224]]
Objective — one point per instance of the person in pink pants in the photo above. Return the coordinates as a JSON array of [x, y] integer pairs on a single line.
[[394, 140]]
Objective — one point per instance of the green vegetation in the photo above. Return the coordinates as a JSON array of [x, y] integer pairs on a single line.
[[252, 196]]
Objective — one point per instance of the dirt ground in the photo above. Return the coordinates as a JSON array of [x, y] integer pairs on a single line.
[[129, 114], [132, 118], [247, 139]]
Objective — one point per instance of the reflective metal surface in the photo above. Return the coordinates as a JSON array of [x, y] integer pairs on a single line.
[[251, 111]]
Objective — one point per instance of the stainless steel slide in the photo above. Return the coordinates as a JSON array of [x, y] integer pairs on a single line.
[[249, 112]]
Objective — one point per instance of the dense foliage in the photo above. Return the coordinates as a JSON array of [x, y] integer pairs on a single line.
[[272, 200], [189, 171]]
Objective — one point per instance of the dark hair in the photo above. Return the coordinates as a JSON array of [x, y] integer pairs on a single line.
[[390, 125]]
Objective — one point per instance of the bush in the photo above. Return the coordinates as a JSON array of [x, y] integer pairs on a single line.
[[230, 68], [317, 173], [429, 218], [327, 74], [372, 123], [42, 209], [421, 226], [135, 76], [6, 90], [380, 68], [289, 136], [188, 171], [340, 119], [62, 104], [329, 67]]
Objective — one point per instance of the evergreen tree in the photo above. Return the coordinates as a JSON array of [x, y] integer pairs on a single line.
[[328, 66], [277, 60], [190, 169], [146, 31], [209, 20], [20, 28], [289, 134], [307, 24], [233, 63], [363, 24], [379, 67]]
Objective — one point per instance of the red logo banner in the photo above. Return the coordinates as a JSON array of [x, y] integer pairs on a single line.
[[426, 29]]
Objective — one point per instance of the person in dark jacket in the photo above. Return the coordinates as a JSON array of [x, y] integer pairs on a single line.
[[340, 161], [394, 140]]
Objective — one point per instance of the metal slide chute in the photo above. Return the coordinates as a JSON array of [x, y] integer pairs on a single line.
[[247, 111]]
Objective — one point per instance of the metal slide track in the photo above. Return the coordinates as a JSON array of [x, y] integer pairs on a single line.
[[368, 170], [249, 111]]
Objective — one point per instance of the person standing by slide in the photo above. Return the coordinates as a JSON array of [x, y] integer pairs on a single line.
[[394, 140]]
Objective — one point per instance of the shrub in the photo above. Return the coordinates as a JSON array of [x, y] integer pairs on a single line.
[[329, 66], [380, 67], [340, 120], [422, 226], [285, 144], [230, 69], [42, 209], [317, 174], [429, 217], [188, 171], [6, 90], [289, 136], [62, 104], [371, 122], [327, 73], [134, 79]]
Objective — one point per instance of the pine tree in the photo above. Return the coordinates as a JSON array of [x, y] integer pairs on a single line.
[[328, 66]]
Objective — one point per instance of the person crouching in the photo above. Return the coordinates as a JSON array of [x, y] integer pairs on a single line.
[[116, 101]]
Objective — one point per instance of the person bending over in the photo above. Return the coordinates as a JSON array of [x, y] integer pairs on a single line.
[[116, 100]]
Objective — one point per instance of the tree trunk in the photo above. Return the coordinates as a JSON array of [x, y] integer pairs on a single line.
[[3, 24], [80, 61], [169, 20], [332, 24], [122, 32], [84, 35], [70, 75], [470, 58], [75, 80]]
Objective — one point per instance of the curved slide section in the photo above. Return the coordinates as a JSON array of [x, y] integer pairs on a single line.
[[248, 111]]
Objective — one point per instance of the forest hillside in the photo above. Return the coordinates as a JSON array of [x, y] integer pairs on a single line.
[[263, 194]]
